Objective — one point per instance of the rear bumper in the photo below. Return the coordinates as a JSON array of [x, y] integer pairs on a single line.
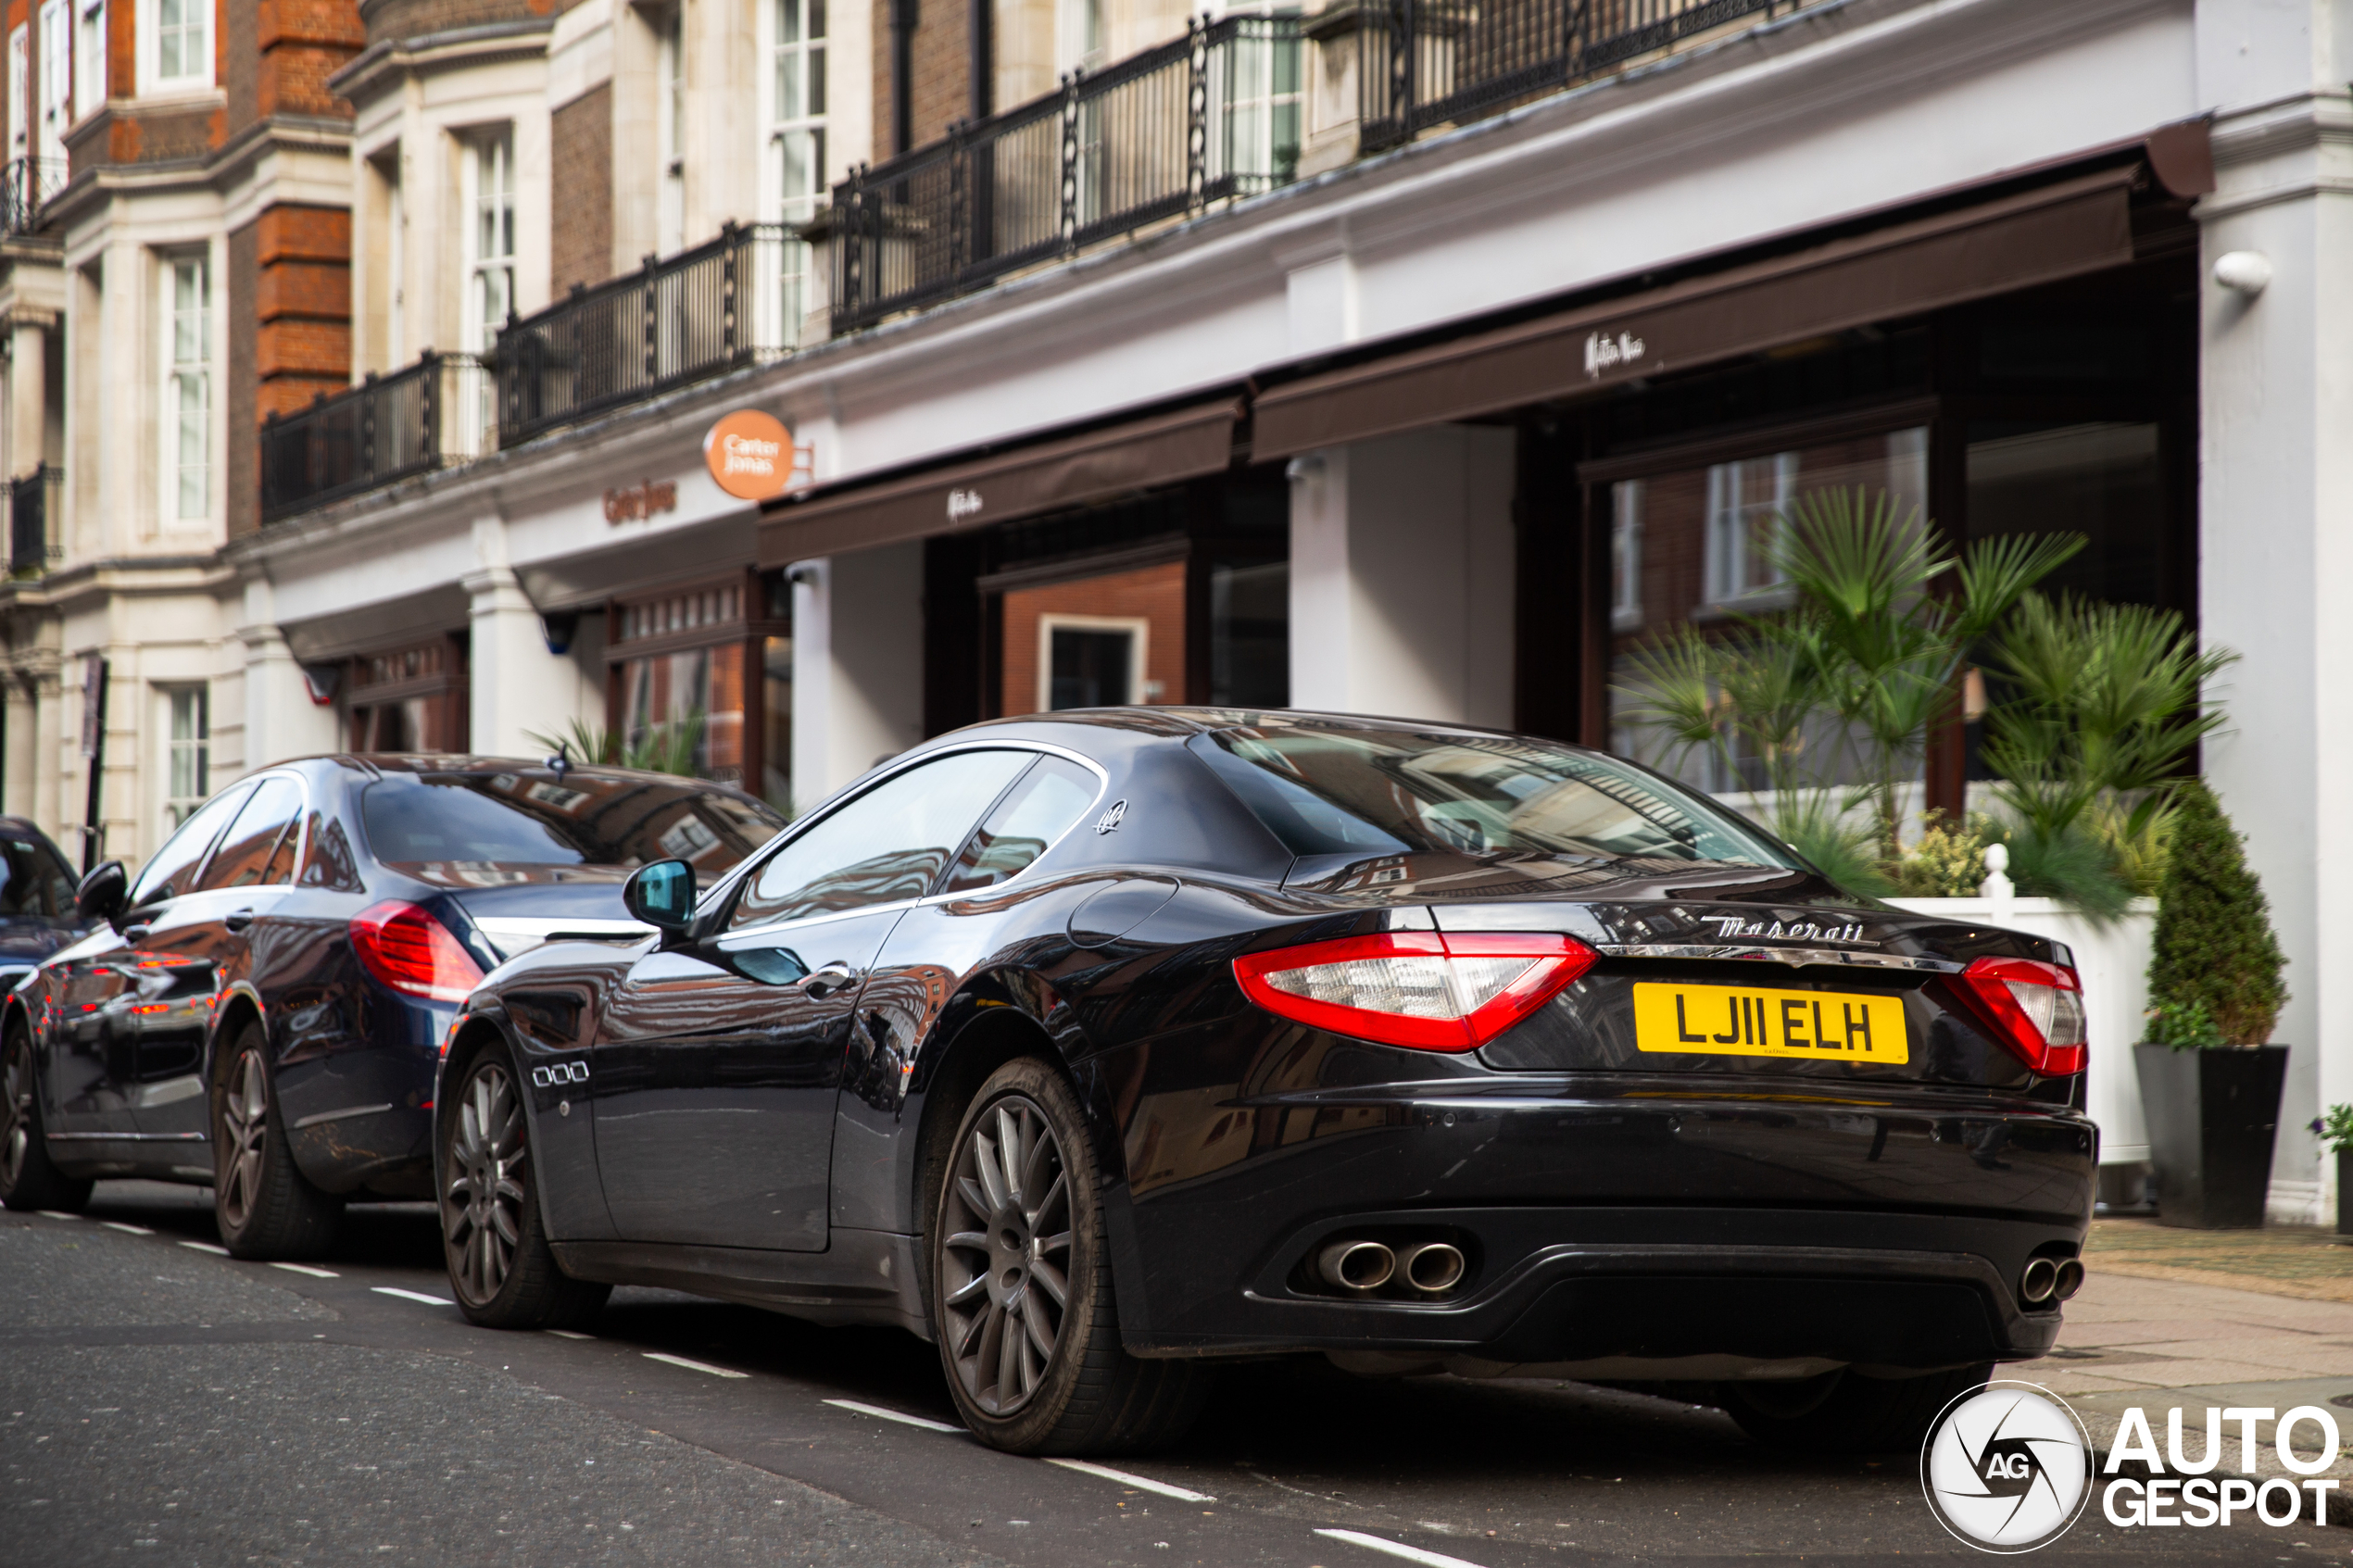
[[1603, 1218], [1553, 1286]]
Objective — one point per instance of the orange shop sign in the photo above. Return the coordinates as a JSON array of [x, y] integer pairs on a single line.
[[750, 455]]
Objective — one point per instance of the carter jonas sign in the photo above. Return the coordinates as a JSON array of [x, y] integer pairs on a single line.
[[749, 454]]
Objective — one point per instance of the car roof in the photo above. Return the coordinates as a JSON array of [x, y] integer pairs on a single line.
[[1184, 722], [470, 765]]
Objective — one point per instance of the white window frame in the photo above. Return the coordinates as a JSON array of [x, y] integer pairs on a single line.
[[196, 74], [487, 182], [56, 101], [89, 58], [670, 130], [21, 91], [1729, 524], [183, 330], [1626, 555], [795, 140], [196, 701], [1140, 631]]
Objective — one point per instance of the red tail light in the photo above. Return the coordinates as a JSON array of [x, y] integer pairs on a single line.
[[1430, 990], [2038, 1009], [413, 953]]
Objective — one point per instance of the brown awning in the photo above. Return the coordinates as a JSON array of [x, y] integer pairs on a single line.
[[1069, 473], [2038, 236]]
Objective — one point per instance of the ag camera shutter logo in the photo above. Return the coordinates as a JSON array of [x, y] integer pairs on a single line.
[[2007, 1468]]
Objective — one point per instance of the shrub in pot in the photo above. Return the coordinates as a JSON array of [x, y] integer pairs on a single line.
[[2209, 1077]]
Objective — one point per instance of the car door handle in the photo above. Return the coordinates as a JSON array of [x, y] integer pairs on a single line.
[[239, 921], [827, 981]]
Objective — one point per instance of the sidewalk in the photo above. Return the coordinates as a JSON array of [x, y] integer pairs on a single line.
[[2192, 1319]]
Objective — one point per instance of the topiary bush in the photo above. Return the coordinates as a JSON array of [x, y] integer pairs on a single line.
[[2214, 970]]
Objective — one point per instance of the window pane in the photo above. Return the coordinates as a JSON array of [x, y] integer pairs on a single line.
[[168, 871], [890, 843], [591, 817], [247, 848], [1034, 814]]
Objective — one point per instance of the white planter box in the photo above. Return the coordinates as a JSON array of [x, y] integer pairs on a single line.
[[2113, 962]]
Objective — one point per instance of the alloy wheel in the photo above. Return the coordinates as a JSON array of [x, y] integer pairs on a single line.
[[16, 1114], [245, 1126], [481, 1207], [1007, 1255]]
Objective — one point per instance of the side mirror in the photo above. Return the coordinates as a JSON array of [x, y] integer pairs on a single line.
[[662, 894], [102, 894]]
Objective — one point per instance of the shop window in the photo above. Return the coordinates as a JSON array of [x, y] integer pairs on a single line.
[[711, 665], [409, 699], [188, 765], [1691, 542], [2103, 480], [1087, 661], [1249, 633]]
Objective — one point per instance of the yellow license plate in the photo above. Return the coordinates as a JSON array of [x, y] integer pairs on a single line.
[[1747, 1020]]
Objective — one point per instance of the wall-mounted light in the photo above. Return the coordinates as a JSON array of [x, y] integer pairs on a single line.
[[2247, 272], [323, 680], [557, 627]]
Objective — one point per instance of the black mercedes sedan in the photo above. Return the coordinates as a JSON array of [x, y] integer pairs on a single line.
[[1100, 1046], [263, 1008]]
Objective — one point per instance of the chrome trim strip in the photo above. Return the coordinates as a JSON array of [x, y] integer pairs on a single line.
[[347, 1111], [127, 1137], [1793, 957]]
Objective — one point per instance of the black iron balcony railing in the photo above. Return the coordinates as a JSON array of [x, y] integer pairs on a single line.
[[438, 410], [1201, 119], [1427, 63], [724, 303], [26, 185], [35, 516]]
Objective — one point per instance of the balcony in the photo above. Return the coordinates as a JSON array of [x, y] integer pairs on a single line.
[[438, 411], [725, 304], [34, 519], [1165, 135], [26, 185], [1429, 63]]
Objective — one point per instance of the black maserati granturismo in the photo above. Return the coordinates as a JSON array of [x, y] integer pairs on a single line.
[[1100, 1046], [262, 1009]]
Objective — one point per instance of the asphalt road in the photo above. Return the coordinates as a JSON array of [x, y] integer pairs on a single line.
[[161, 1403]]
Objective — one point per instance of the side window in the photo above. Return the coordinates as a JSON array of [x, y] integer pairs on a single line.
[[891, 843], [173, 868], [248, 852], [1032, 814], [33, 885]]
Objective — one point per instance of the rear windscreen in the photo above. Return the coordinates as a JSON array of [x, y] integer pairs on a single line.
[[1388, 791], [476, 821]]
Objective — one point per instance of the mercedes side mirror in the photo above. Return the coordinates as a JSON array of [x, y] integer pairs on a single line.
[[102, 894], [662, 894]]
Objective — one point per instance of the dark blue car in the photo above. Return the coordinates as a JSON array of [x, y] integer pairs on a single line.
[[262, 1009], [37, 914]]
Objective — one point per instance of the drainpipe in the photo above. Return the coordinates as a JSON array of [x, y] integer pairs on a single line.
[[904, 14], [982, 28]]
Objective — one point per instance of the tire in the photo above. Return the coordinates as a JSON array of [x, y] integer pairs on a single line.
[[501, 1269], [27, 1179], [1022, 1303], [1846, 1412], [265, 1207]]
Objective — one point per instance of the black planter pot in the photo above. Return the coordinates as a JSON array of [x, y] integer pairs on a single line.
[[2344, 1192], [2212, 1116]]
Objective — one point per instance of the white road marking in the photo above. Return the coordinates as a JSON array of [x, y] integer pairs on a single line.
[[55, 1214], [692, 1366], [881, 1414], [307, 1269], [412, 1296], [1398, 1548], [1124, 1480], [207, 1247], [569, 1334], [127, 1230]]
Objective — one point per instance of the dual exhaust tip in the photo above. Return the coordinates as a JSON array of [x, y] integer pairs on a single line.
[[1360, 1268], [2048, 1281]]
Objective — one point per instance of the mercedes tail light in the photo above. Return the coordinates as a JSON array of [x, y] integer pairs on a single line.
[[413, 953], [1434, 991], [2037, 1010]]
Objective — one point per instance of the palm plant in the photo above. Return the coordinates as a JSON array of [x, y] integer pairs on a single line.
[[670, 747]]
